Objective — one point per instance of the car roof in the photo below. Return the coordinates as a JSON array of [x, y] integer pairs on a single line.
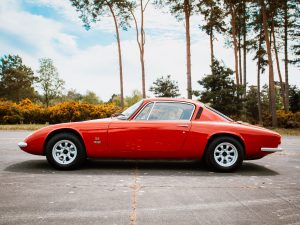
[[174, 100]]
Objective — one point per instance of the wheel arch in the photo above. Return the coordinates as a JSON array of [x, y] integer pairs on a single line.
[[226, 134], [63, 130]]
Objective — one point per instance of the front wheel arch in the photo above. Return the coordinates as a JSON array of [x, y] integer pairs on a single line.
[[64, 151], [62, 130]]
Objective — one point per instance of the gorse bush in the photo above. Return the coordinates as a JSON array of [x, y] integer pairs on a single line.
[[27, 112], [285, 119]]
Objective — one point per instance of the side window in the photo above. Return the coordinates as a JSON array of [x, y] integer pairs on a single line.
[[171, 111], [143, 114]]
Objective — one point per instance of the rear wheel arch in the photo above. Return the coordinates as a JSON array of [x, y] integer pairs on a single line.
[[63, 130], [236, 137], [224, 152]]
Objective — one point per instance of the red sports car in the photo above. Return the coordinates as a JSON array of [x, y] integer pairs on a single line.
[[158, 128]]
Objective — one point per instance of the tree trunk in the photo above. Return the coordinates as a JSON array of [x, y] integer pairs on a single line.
[[282, 92], [211, 40], [120, 55], [270, 62], [47, 100], [245, 48], [240, 57], [140, 39], [211, 36], [143, 50], [286, 65], [258, 81], [233, 24], [188, 48]]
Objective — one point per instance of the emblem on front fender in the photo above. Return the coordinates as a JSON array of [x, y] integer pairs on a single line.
[[97, 140]]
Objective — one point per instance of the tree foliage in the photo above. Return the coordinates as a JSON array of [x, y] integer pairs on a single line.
[[72, 95], [177, 7], [165, 87], [91, 98], [50, 83], [92, 11], [295, 34], [294, 98], [134, 98], [213, 15], [16, 79], [129, 100], [220, 91]]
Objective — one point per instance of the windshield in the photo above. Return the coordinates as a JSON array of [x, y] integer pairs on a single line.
[[219, 113], [128, 112]]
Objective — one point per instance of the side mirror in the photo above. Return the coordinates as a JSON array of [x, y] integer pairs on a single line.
[[115, 115], [119, 116]]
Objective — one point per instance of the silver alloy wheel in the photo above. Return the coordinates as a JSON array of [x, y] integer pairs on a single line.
[[225, 154], [64, 152]]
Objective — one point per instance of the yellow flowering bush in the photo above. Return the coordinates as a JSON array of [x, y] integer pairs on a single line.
[[288, 119], [9, 112], [284, 119], [32, 113], [28, 112]]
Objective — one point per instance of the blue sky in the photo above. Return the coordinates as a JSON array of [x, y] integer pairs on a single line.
[[87, 60]]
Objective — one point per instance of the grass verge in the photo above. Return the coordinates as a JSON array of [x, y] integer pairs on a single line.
[[288, 132], [21, 126]]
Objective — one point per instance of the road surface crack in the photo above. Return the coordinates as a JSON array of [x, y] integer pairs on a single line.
[[135, 186]]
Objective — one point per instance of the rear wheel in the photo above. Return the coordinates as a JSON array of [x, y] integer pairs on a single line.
[[65, 151], [224, 154]]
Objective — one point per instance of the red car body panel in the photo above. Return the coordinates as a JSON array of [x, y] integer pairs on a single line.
[[115, 138]]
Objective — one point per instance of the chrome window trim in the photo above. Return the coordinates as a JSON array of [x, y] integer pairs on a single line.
[[150, 111], [127, 117], [154, 103], [142, 110]]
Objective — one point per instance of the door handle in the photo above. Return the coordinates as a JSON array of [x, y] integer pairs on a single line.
[[182, 125]]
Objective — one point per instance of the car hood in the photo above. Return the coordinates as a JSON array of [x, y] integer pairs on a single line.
[[88, 122], [82, 125]]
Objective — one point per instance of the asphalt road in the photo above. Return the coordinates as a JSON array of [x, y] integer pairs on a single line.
[[265, 191]]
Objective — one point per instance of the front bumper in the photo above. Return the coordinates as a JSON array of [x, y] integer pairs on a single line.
[[22, 144], [271, 149]]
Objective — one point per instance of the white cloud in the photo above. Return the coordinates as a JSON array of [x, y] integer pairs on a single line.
[[63, 7], [36, 31]]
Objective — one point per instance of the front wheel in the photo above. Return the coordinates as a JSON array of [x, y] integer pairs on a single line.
[[224, 154], [65, 151]]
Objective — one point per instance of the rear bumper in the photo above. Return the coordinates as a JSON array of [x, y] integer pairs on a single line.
[[271, 149], [22, 144]]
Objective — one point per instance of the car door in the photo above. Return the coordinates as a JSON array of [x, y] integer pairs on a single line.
[[157, 131]]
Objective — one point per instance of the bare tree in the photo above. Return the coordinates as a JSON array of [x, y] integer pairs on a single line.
[[183, 9], [231, 6], [214, 22], [272, 98], [141, 37], [92, 11]]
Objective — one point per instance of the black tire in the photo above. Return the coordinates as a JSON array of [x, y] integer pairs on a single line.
[[224, 154], [72, 154]]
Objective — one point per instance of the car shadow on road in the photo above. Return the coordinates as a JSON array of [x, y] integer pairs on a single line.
[[146, 167]]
